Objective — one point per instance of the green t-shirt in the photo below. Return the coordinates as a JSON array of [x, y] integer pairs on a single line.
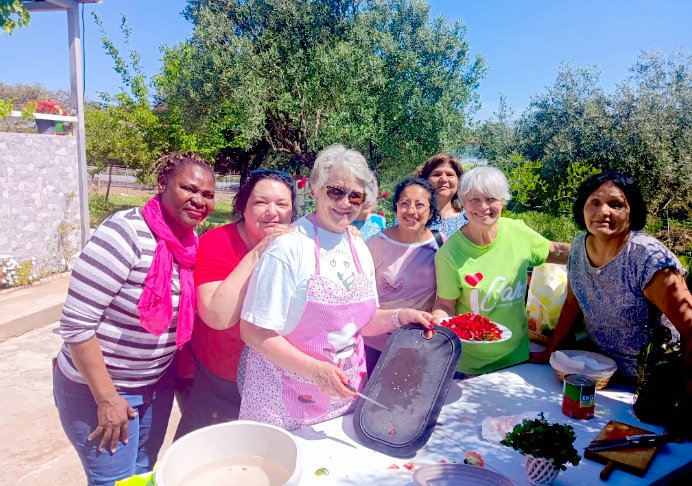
[[491, 281]]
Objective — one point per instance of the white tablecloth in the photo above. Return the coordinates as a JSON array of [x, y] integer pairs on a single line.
[[524, 388]]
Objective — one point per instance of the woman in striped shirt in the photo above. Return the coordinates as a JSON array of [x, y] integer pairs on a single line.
[[130, 305]]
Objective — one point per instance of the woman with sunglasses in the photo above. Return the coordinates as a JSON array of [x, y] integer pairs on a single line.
[[264, 208], [404, 256], [310, 299]]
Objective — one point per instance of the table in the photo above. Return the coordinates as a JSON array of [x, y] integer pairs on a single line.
[[522, 388]]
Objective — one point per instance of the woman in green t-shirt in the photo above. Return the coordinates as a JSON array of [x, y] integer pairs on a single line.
[[482, 269]]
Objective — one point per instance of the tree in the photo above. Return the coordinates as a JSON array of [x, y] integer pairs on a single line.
[[570, 122], [653, 129], [574, 129], [13, 14], [19, 94], [274, 81], [124, 130], [114, 141], [496, 138]]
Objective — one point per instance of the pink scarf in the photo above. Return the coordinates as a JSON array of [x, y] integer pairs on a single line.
[[156, 304]]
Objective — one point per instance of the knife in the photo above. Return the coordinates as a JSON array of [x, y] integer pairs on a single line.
[[631, 441], [353, 389]]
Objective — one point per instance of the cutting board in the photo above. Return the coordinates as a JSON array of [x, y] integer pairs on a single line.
[[634, 461]]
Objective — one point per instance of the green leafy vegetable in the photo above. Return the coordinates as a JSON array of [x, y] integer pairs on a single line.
[[540, 438]]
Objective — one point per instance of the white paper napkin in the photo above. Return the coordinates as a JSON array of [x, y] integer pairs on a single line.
[[494, 429]]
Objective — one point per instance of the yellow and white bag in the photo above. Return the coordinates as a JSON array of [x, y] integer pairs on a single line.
[[547, 292]]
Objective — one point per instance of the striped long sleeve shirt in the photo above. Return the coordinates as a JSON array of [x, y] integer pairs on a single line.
[[106, 285]]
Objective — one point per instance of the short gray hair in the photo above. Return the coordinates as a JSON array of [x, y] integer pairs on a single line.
[[337, 157], [485, 180]]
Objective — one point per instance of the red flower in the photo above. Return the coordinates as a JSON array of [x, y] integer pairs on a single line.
[[49, 107], [301, 183], [381, 213], [385, 195]]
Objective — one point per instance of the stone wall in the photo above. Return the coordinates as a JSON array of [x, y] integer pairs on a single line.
[[39, 199]]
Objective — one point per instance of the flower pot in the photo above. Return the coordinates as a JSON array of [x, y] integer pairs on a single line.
[[45, 126], [540, 470]]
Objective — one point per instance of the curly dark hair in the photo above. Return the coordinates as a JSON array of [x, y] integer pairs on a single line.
[[241, 198], [431, 164], [418, 181], [625, 183], [168, 164]]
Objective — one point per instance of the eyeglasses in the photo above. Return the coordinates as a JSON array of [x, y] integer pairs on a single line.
[[337, 194], [405, 206], [280, 173]]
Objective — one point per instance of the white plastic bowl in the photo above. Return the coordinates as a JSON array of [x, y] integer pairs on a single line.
[[221, 441]]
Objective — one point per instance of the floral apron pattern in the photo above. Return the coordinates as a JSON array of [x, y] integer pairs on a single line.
[[329, 330]]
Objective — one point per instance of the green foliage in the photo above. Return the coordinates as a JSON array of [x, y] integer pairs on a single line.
[[643, 129], [98, 204], [565, 190], [5, 108], [554, 228], [13, 14], [274, 81], [526, 185], [29, 111], [496, 137], [124, 130], [540, 438]]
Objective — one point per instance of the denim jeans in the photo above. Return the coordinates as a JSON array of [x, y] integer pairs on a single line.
[[78, 415]]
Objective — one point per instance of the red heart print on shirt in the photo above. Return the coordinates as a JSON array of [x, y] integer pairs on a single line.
[[474, 280]]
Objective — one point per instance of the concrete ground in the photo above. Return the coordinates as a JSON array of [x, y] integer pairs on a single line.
[[33, 446]]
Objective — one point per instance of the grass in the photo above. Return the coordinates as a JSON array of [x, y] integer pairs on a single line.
[[99, 210]]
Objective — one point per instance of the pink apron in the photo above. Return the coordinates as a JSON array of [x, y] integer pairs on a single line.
[[329, 330]]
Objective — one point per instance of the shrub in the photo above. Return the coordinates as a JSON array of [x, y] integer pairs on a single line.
[[16, 273], [554, 228]]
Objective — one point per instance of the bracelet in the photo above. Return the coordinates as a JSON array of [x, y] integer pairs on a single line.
[[395, 318]]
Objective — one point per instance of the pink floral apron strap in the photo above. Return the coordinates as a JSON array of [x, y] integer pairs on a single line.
[[313, 217]]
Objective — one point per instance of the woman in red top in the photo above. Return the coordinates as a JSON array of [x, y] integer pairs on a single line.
[[264, 208]]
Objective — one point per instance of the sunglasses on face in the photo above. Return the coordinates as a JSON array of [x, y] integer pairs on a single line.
[[337, 194]]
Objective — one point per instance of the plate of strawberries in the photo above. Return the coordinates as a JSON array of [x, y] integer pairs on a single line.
[[475, 329]]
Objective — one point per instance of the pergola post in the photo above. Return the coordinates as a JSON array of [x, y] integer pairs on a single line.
[[74, 37], [74, 40]]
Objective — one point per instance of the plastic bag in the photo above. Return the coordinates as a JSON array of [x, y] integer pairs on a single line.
[[547, 292]]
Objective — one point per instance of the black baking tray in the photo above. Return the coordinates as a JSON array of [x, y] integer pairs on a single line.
[[411, 378]]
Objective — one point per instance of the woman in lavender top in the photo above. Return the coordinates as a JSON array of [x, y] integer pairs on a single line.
[[622, 281], [404, 257]]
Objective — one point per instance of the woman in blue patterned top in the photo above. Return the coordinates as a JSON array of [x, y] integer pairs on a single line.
[[443, 172], [621, 280]]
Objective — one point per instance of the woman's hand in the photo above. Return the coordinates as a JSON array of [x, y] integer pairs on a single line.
[[274, 233], [353, 231], [413, 316], [330, 379], [113, 414]]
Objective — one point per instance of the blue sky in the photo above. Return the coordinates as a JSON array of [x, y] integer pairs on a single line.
[[524, 41]]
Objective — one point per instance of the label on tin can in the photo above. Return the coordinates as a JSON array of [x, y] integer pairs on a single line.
[[579, 397]]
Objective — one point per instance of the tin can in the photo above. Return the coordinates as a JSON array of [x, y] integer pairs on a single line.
[[579, 397]]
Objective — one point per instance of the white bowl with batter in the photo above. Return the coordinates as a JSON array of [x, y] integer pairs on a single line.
[[241, 452]]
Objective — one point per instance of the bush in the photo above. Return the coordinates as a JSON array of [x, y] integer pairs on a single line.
[[554, 228], [16, 273]]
